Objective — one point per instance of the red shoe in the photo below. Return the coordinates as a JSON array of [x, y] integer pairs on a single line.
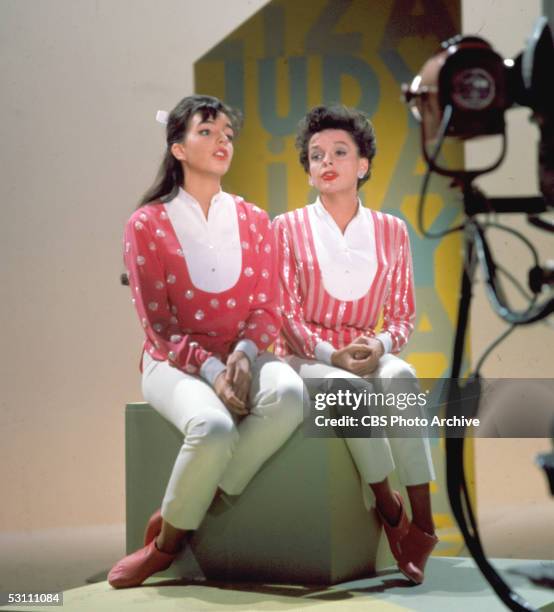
[[395, 533], [416, 548], [153, 527], [135, 568]]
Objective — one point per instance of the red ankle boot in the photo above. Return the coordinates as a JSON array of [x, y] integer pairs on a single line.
[[135, 568], [415, 547], [153, 527], [395, 533]]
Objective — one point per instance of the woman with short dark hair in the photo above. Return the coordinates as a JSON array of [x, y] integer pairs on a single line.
[[342, 266]]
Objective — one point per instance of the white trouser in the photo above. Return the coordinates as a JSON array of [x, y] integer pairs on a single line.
[[376, 458], [220, 450]]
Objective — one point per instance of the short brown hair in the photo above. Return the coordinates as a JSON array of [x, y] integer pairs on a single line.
[[337, 117]]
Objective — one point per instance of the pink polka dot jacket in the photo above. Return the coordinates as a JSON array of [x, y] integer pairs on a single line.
[[184, 324]]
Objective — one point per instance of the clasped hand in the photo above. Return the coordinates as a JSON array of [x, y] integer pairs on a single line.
[[233, 384], [361, 356]]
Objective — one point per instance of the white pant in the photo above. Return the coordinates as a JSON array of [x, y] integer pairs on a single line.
[[220, 449], [376, 458]]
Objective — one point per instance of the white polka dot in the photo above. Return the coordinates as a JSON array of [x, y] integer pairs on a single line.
[[265, 274], [163, 215], [212, 334], [174, 309], [151, 246], [248, 271], [153, 306], [174, 320], [175, 338], [260, 237], [252, 326], [257, 209], [253, 227], [189, 294], [144, 323], [250, 299], [171, 278], [231, 303], [328, 315], [159, 285], [180, 252], [262, 297], [264, 338], [199, 315], [143, 217], [172, 355], [127, 247], [138, 225], [151, 351], [245, 245], [160, 233], [193, 344], [140, 260], [241, 325], [267, 248], [133, 301], [242, 216], [272, 329], [190, 369], [157, 327], [259, 311], [214, 303]]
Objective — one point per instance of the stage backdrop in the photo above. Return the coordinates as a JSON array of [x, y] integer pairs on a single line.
[[293, 55]]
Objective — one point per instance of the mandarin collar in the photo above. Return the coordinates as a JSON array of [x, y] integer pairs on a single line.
[[324, 213], [186, 197]]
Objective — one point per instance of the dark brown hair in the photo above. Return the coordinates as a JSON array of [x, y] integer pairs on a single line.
[[170, 174], [337, 117]]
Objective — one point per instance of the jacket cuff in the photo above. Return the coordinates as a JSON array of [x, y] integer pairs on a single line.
[[249, 348], [324, 351], [386, 341], [211, 369]]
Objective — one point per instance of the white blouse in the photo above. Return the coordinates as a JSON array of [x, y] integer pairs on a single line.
[[211, 246]]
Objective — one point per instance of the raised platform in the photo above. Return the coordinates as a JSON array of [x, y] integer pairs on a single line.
[[300, 520]]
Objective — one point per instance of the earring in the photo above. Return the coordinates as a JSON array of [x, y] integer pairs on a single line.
[[361, 175]]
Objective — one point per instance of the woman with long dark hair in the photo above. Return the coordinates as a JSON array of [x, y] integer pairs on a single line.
[[342, 265], [202, 269]]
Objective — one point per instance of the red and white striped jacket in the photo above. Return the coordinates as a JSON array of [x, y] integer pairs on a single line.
[[311, 315]]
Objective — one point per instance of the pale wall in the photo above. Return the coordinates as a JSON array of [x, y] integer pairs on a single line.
[[81, 83]]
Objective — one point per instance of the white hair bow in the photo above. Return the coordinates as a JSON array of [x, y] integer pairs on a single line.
[[162, 117]]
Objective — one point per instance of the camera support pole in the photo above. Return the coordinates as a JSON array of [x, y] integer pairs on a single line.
[[456, 483]]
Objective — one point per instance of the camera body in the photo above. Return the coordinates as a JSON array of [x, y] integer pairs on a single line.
[[471, 78], [464, 90]]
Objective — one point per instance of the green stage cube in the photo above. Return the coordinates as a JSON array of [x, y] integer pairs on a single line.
[[300, 520]]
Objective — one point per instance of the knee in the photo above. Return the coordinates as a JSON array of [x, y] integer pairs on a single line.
[[394, 367], [212, 429], [285, 400], [292, 395]]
